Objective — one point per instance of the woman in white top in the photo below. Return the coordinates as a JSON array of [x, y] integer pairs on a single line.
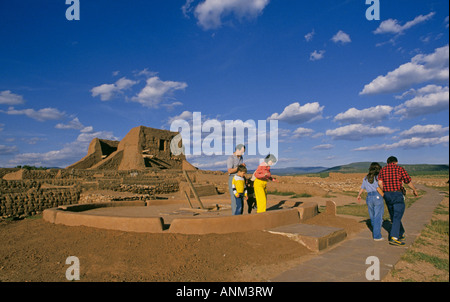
[[374, 200]]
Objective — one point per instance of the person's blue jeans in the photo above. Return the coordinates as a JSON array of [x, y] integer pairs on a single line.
[[239, 205], [395, 203], [233, 198], [375, 205]]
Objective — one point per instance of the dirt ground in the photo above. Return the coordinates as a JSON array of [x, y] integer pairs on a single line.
[[411, 268], [35, 250]]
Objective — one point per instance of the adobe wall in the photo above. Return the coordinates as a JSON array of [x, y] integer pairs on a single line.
[[32, 191], [74, 216]]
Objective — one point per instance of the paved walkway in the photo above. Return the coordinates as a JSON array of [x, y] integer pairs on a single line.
[[347, 261]]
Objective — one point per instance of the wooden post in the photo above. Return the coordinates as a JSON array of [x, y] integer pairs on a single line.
[[187, 197], [192, 188]]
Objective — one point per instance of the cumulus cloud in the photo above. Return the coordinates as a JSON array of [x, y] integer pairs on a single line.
[[108, 91], [9, 98], [341, 37], [185, 116], [422, 68], [316, 55], [409, 143], [366, 116], [40, 115], [425, 131], [210, 13], [301, 132], [73, 124], [429, 99], [392, 26], [155, 91], [357, 132], [298, 114], [309, 36]]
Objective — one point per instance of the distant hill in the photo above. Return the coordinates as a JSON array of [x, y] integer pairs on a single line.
[[361, 167], [297, 170]]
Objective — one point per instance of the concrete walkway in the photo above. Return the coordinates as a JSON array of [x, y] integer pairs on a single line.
[[347, 261]]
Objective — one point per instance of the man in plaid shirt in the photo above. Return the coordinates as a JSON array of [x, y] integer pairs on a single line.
[[391, 179]]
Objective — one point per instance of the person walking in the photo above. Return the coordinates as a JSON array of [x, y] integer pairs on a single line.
[[391, 179], [374, 200], [233, 163]]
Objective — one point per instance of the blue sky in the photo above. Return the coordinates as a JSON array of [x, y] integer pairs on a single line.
[[342, 88]]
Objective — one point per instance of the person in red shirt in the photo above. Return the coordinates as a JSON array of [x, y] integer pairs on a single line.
[[262, 176], [391, 179]]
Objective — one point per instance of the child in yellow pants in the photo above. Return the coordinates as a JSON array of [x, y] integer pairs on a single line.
[[262, 175], [261, 195]]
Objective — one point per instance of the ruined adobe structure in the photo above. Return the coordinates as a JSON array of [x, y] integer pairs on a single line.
[[142, 148], [138, 167]]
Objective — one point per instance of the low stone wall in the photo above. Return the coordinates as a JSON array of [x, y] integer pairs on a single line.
[[235, 224], [72, 215], [33, 201]]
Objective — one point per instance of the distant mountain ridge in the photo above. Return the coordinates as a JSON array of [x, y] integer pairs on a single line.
[[360, 167]]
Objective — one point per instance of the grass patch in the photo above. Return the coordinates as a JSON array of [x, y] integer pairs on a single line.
[[413, 256], [292, 194], [432, 247], [276, 192], [301, 195], [439, 227]]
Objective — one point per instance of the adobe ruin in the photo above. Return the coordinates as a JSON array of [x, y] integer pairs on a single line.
[[142, 148]]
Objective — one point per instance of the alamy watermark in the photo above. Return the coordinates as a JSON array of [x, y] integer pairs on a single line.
[[373, 271], [73, 11], [213, 137], [73, 272], [373, 12]]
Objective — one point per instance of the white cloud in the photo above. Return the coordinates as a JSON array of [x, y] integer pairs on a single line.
[[357, 132], [69, 154], [429, 99], [297, 114], [185, 116], [323, 147], [421, 91], [421, 68], [73, 124], [8, 98], [409, 143], [310, 35], [366, 116], [40, 115], [316, 55], [108, 91], [392, 26], [187, 8], [7, 150], [301, 132], [341, 37], [210, 13], [155, 91], [424, 131]]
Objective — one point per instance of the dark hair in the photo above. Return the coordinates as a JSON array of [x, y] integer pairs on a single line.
[[392, 159], [241, 168], [239, 147], [374, 169], [270, 157]]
